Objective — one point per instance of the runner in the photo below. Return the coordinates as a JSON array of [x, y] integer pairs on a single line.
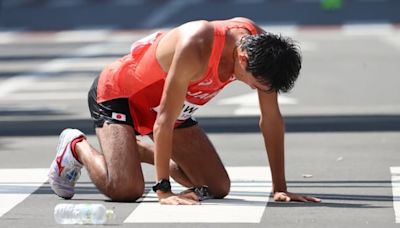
[[155, 90]]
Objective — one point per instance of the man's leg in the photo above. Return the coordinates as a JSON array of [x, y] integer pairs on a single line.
[[195, 155], [146, 152], [116, 172]]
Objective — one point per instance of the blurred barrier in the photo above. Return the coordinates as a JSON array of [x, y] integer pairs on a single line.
[[143, 14]]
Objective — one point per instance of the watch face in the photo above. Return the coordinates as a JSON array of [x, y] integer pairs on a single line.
[[163, 185]]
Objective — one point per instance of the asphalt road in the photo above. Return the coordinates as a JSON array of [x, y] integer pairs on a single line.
[[342, 117]]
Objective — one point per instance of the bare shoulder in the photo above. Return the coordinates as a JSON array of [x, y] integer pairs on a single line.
[[196, 37], [191, 41], [196, 32]]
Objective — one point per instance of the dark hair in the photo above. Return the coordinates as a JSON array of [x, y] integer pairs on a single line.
[[273, 59]]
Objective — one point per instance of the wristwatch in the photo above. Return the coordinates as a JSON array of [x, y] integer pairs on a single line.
[[162, 185]]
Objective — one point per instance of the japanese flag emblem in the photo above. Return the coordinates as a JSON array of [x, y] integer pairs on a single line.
[[118, 116]]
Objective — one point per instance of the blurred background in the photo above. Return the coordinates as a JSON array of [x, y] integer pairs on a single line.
[[342, 117], [50, 51], [145, 14]]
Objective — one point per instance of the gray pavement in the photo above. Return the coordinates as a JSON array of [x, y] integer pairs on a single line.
[[342, 118]]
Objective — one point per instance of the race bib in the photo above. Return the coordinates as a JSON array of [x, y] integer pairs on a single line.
[[188, 110]]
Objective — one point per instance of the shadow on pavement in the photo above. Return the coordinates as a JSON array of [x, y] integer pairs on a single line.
[[335, 200]]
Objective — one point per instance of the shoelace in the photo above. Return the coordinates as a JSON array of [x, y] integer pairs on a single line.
[[202, 192]]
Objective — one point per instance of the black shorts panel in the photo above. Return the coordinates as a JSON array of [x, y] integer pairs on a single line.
[[112, 111], [187, 123], [116, 111]]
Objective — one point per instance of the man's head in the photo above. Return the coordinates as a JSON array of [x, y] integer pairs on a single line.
[[272, 59]]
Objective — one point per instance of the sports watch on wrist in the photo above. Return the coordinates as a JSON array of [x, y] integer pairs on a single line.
[[162, 185]]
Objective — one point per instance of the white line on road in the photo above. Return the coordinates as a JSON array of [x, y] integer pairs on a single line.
[[248, 103], [250, 190], [15, 83], [396, 191], [8, 37], [393, 40], [17, 184], [308, 46], [380, 29], [82, 35], [35, 96], [59, 86], [285, 30]]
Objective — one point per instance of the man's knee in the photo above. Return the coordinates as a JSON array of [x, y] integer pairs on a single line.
[[221, 190], [124, 192]]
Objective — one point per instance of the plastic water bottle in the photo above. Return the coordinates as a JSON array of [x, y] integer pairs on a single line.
[[82, 214]]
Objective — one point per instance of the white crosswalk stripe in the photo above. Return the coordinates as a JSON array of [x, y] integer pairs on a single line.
[[37, 85], [396, 191], [248, 103], [251, 187], [246, 203], [250, 190], [17, 184]]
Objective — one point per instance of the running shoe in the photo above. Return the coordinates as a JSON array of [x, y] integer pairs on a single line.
[[202, 192], [65, 169]]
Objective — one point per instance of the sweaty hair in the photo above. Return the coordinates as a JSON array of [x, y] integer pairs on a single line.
[[272, 59]]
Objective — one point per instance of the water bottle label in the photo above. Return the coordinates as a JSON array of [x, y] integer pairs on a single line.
[[86, 213]]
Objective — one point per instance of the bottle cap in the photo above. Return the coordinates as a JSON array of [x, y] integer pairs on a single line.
[[110, 214]]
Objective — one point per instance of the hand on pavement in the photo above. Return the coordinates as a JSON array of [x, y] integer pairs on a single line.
[[287, 196], [189, 198]]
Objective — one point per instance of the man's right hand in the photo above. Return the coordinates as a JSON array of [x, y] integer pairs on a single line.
[[169, 198]]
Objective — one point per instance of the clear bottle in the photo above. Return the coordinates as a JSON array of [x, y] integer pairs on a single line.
[[82, 214]]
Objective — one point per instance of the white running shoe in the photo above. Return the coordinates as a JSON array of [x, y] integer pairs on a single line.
[[65, 169]]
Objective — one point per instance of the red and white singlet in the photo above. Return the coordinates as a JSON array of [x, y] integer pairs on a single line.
[[140, 78]]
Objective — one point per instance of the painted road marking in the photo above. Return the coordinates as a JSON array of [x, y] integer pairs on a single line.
[[248, 103], [368, 29], [17, 184], [18, 82], [250, 190], [8, 36], [396, 191], [35, 96], [392, 40], [89, 35], [285, 30]]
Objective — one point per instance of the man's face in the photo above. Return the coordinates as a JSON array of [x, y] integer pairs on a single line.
[[245, 76]]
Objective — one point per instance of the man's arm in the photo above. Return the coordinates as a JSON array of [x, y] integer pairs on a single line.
[[187, 65], [273, 129]]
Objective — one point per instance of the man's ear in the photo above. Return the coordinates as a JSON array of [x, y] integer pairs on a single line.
[[243, 57]]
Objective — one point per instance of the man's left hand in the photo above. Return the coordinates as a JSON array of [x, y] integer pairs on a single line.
[[287, 196]]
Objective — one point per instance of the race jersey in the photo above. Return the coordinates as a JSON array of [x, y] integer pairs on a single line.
[[140, 78]]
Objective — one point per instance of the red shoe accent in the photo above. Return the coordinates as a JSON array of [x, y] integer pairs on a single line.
[[58, 161], [73, 144]]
